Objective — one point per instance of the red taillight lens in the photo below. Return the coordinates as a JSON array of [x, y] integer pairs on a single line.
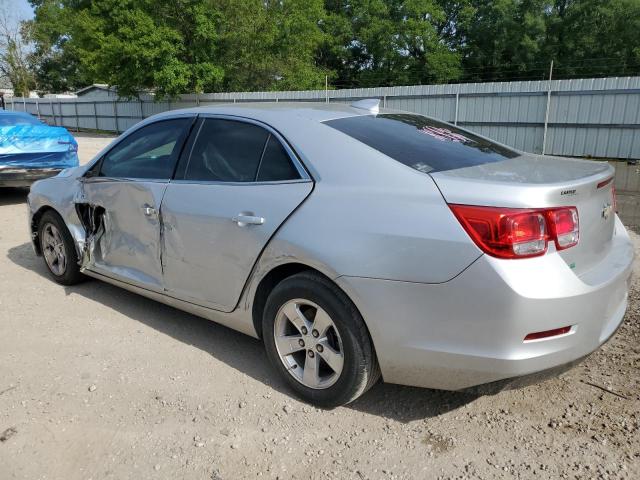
[[518, 233], [504, 232], [566, 229]]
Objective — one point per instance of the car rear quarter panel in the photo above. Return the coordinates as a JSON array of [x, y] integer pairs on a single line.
[[370, 216]]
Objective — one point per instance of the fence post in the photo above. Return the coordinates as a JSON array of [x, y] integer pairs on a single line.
[[37, 107], [95, 114], [141, 109], [53, 112], [326, 88], [60, 112], [384, 101], [24, 104], [546, 115], [75, 108], [455, 120], [115, 115]]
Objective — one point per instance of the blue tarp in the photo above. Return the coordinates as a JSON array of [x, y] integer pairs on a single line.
[[37, 146]]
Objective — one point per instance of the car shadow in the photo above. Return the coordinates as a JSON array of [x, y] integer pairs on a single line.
[[242, 352], [13, 196]]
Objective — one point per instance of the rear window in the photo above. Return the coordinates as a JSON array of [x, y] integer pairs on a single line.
[[422, 143]]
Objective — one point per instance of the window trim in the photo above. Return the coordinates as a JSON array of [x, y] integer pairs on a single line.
[[95, 178], [305, 177]]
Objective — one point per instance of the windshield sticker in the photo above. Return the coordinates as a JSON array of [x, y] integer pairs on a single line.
[[444, 134]]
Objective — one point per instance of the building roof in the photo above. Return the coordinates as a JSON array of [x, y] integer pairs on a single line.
[[95, 86]]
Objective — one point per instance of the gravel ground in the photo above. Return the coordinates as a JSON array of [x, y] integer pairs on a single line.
[[96, 383]]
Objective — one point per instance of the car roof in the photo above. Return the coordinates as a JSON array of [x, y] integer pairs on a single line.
[[270, 111]]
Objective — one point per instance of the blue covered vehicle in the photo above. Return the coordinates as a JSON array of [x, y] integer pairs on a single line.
[[31, 150]]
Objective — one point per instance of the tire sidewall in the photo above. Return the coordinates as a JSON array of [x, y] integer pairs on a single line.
[[342, 313], [71, 273]]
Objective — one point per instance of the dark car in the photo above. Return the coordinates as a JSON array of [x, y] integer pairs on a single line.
[[31, 150]]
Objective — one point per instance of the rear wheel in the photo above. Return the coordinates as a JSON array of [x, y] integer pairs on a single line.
[[317, 340], [58, 249]]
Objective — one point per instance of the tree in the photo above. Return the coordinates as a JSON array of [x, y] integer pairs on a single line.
[[503, 39], [591, 37], [388, 42], [14, 65], [271, 44], [166, 45]]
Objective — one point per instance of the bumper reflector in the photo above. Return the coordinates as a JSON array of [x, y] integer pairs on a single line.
[[547, 333]]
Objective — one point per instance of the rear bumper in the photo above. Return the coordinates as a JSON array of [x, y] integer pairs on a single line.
[[470, 331], [23, 177]]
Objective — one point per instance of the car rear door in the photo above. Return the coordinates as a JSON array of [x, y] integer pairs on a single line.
[[120, 203], [236, 184]]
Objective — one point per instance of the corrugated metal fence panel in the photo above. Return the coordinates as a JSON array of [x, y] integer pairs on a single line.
[[597, 117]]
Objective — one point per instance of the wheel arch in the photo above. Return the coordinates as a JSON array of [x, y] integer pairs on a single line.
[[276, 275]]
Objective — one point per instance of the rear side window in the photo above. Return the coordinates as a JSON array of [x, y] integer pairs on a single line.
[[422, 143], [226, 151], [232, 151], [276, 164]]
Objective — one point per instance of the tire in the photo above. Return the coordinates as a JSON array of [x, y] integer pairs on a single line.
[[69, 273], [314, 295]]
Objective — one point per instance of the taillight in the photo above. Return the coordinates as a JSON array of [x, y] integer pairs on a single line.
[[518, 233], [566, 229]]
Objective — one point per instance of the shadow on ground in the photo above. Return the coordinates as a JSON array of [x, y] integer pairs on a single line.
[[241, 352], [13, 196]]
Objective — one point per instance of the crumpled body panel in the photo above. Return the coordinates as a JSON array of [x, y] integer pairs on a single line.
[[37, 146]]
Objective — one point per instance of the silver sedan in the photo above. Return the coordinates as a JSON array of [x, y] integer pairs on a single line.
[[359, 243]]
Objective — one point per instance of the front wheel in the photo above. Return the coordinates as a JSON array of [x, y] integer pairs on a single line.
[[58, 249], [317, 340]]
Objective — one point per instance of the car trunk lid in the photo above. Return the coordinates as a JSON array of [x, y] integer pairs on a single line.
[[534, 181]]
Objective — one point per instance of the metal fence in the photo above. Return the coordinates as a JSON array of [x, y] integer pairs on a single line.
[[595, 117]]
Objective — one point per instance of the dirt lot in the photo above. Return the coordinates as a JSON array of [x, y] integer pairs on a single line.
[[99, 383]]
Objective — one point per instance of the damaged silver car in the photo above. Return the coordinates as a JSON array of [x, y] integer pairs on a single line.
[[358, 243]]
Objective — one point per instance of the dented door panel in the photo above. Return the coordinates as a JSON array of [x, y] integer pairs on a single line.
[[208, 251], [122, 222]]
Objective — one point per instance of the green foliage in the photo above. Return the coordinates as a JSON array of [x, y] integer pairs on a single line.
[[271, 44], [388, 42], [183, 46]]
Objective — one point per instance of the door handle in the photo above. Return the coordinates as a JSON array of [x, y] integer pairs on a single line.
[[243, 220], [149, 211]]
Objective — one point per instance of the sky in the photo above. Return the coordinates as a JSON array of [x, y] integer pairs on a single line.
[[16, 10]]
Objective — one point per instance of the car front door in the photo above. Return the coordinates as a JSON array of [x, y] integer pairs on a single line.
[[235, 187], [120, 203]]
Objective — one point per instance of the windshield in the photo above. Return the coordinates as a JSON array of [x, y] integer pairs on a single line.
[[422, 143]]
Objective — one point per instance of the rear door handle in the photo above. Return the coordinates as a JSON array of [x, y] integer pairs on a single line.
[[243, 220]]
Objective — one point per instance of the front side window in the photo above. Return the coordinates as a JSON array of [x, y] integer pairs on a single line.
[[233, 151], [150, 152], [422, 143]]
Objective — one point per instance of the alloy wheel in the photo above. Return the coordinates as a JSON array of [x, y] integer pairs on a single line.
[[308, 344], [53, 249]]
